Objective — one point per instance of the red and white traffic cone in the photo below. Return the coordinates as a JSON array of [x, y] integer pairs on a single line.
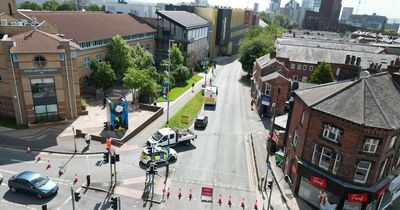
[[256, 205], [230, 201], [48, 165], [168, 193], [242, 203], [28, 150], [76, 179], [38, 158], [190, 195], [220, 199], [180, 194]]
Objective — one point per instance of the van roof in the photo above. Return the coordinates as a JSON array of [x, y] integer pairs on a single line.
[[166, 131]]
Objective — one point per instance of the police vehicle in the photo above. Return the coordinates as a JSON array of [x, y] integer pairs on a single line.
[[157, 154]]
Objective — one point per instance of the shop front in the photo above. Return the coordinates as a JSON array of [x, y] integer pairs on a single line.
[[391, 194]]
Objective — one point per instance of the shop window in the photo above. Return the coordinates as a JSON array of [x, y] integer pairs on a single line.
[[43, 88], [267, 89], [295, 138], [325, 158], [331, 133], [362, 171], [86, 62], [337, 163], [392, 142], [370, 145], [39, 61]]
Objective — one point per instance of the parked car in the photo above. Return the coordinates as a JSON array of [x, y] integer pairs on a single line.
[[1, 178], [33, 183], [201, 121], [157, 154]]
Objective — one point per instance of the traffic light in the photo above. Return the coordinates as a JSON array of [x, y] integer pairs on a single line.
[[114, 202], [114, 158], [270, 184], [153, 168], [106, 157], [77, 196]]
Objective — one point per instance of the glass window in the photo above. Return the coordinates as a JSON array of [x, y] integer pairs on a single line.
[[40, 110], [39, 61], [305, 67], [267, 89], [383, 168], [337, 163], [314, 155], [86, 62], [52, 108], [293, 66], [362, 171], [98, 57], [325, 158], [298, 66], [331, 133], [43, 87], [370, 145], [295, 138], [311, 68], [392, 142], [61, 57]]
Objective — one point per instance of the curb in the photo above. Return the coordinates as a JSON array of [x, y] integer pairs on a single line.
[[50, 151]]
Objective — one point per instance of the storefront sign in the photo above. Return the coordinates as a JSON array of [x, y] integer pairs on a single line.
[[265, 100], [318, 181], [357, 197], [294, 168], [39, 71], [380, 193]]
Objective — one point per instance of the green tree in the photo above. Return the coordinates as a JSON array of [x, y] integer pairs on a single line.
[[102, 76], [30, 5], [93, 7], [50, 5], [181, 74], [67, 6], [119, 55], [177, 58], [142, 59], [136, 80], [322, 73], [151, 93]]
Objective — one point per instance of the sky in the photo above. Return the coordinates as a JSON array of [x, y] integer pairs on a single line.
[[381, 7]]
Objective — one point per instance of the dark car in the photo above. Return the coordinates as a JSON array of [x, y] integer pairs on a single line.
[[33, 183], [201, 121]]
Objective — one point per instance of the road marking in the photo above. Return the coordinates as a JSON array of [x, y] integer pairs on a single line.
[[68, 199], [250, 165]]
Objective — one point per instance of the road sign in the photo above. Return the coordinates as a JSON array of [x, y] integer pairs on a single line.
[[185, 119], [207, 194]]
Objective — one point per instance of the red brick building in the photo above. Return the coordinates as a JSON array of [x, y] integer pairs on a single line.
[[343, 138]]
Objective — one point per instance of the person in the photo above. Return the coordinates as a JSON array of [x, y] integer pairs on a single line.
[[252, 103], [192, 87]]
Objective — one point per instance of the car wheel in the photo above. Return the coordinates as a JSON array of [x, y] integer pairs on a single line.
[[13, 189], [39, 196]]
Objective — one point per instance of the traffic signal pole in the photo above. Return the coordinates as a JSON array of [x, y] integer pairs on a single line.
[[270, 193], [73, 200], [111, 173]]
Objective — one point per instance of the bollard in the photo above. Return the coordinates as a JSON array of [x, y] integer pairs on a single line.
[[88, 180], [44, 207]]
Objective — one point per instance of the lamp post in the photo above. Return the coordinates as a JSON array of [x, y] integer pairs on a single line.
[[73, 132], [169, 72]]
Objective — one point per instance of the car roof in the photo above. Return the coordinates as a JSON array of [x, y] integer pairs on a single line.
[[166, 131], [28, 175], [200, 117]]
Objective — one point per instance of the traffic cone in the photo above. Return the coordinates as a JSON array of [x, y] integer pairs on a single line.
[[242, 204], [60, 172], [230, 201], [256, 205], [28, 150], [48, 165], [220, 199], [190, 194], [168, 193], [180, 194], [38, 158], [76, 179]]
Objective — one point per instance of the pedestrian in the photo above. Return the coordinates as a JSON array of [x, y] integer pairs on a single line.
[[252, 103], [155, 103], [192, 87]]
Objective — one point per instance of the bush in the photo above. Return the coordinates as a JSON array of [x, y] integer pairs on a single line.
[[181, 74]]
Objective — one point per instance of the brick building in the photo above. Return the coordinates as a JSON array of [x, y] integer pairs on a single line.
[[343, 138]]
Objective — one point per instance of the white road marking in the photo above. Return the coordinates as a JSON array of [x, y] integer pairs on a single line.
[[68, 199]]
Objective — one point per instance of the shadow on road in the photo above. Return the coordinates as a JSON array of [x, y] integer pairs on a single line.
[[209, 107], [25, 199], [245, 80]]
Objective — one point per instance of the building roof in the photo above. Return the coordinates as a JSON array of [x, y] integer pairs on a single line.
[[371, 101], [36, 41], [185, 19], [91, 26], [272, 76]]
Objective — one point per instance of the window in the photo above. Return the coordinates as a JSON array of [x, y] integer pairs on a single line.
[[267, 89], [314, 154], [293, 66], [325, 158], [295, 78], [331, 133], [337, 71], [383, 168], [362, 171], [392, 142], [61, 57], [370, 60], [298, 66], [337, 163], [305, 67], [98, 57], [311, 68], [383, 61], [46, 110], [39, 61], [147, 47], [86, 62], [295, 138], [370, 145], [43, 88], [14, 58], [302, 118]]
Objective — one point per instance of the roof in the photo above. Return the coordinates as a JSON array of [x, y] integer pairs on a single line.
[[185, 19], [166, 131], [272, 76], [90, 26], [265, 60], [36, 41], [28, 175], [371, 101]]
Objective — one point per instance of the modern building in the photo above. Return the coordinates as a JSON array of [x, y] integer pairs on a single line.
[[292, 10], [343, 141], [140, 9], [331, 9], [375, 22], [312, 5], [189, 30], [346, 13], [274, 6], [255, 8], [317, 21]]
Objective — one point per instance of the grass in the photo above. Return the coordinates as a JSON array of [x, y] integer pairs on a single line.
[[191, 109], [10, 122], [179, 89]]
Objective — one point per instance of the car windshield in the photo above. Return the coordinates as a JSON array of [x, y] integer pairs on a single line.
[[157, 136], [40, 181]]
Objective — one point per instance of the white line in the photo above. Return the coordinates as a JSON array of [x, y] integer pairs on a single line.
[[68, 199]]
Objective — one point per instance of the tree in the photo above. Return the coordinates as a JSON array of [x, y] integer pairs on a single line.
[[136, 80], [67, 6], [177, 58], [322, 73], [151, 93], [93, 7], [30, 5], [102, 76], [119, 55], [181, 74], [50, 5], [142, 59]]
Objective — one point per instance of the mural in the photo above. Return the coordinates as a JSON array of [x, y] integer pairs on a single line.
[[117, 109]]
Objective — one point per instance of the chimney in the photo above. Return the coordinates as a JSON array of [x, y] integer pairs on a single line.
[[353, 60], [347, 61], [358, 61]]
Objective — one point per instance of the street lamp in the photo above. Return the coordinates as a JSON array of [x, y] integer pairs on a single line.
[[169, 72], [73, 132]]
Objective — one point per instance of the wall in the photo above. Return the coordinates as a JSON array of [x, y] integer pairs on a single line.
[[6, 5], [211, 15]]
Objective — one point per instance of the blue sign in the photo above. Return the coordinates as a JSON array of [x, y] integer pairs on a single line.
[[265, 100]]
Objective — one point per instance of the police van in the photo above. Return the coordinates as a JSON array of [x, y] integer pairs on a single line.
[[155, 154], [210, 95]]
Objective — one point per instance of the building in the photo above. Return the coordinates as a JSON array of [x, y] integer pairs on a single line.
[[375, 22], [330, 9], [255, 8], [317, 21], [343, 139], [140, 9], [201, 3], [346, 12], [188, 30], [274, 6], [292, 10], [312, 5]]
